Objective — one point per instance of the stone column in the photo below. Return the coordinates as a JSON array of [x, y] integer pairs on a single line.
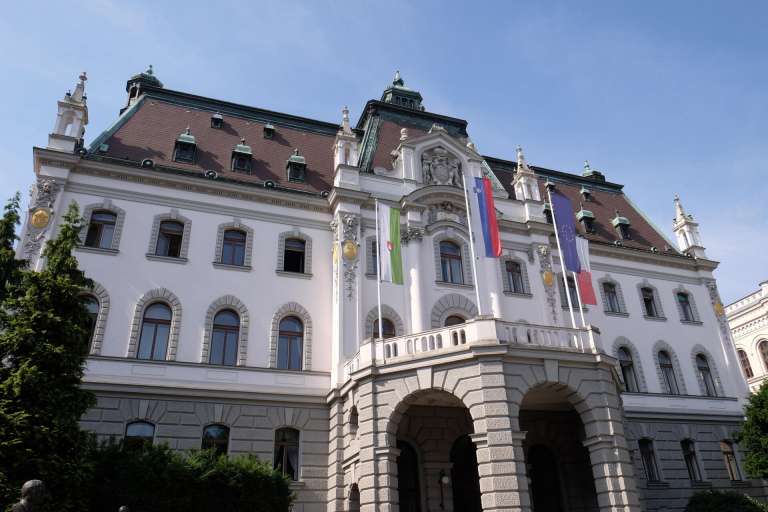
[[386, 465], [613, 474], [336, 490]]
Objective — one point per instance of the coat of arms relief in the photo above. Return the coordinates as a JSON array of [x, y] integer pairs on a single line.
[[439, 167]]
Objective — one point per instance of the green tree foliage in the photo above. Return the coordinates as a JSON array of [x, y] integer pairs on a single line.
[[753, 437], [10, 267], [721, 501], [43, 346], [157, 479]]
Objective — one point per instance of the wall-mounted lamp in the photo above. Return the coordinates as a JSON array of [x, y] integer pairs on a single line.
[[443, 481]]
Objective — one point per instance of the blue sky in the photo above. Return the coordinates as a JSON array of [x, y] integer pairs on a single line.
[[661, 96]]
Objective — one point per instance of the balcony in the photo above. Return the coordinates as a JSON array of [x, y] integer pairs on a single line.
[[473, 333]]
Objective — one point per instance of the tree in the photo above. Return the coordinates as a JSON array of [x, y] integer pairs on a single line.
[[10, 267], [43, 346], [753, 437]]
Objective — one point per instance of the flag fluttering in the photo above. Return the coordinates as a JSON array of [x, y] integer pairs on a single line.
[[388, 244], [566, 230], [584, 278], [482, 202]]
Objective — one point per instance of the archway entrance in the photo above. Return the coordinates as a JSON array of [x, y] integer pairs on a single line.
[[559, 467], [466, 481], [437, 464]]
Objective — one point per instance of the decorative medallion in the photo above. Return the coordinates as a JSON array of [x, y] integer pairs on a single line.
[[40, 218], [548, 277], [439, 167], [349, 250]]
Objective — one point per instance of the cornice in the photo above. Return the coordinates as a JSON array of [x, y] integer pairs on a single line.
[[643, 256], [346, 195]]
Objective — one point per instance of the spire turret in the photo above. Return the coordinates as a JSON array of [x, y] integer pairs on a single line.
[[399, 94], [687, 231], [345, 147], [524, 183], [137, 82], [72, 116]]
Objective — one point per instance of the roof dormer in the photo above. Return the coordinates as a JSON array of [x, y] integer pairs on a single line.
[[587, 219], [242, 157], [400, 95], [185, 148], [621, 224], [296, 167]]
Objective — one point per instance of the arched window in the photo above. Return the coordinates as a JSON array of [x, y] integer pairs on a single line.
[[155, 329], [729, 456], [389, 328], [354, 418], [668, 372], [101, 229], [762, 347], [454, 320], [648, 457], [514, 274], [139, 434], [233, 247], [92, 306], [224, 337], [287, 452], [746, 367], [702, 366], [169, 239], [691, 462], [611, 298], [450, 263], [686, 311], [216, 437], [294, 255], [628, 370], [290, 344]]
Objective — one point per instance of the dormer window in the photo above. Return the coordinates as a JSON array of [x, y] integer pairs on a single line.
[[184, 151], [217, 121], [586, 194], [296, 167], [242, 157], [621, 224], [587, 219], [548, 213], [269, 131]]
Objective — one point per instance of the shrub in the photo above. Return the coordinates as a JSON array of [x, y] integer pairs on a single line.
[[720, 501]]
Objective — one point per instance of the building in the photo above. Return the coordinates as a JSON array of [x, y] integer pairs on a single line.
[[235, 306], [748, 318]]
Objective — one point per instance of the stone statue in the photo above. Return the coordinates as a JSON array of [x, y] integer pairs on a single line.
[[32, 495]]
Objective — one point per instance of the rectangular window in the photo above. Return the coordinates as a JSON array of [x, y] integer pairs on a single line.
[[572, 292], [169, 239], [649, 302], [184, 152], [374, 257], [293, 257], [691, 462], [685, 307], [611, 298], [729, 456], [514, 277], [648, 456]]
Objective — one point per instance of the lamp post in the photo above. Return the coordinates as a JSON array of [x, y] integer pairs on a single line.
[[443, 481]]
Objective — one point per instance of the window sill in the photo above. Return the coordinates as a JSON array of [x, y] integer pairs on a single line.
[[658, 484], [297, 484], [98, 250], [522, 295], [575, 308], [741, 483], [691, 322], [454, 285], [655, 318], [300, 275], [703, 484], [617, 313], [226, 266], [167, 259]]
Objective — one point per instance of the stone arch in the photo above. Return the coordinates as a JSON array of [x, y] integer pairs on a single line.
[[663, 345], [386, 312], [102, 296], [699, 349], [157, 295], [458, 237], [226, 302], [450, 304], [291, 309], [621, 341]]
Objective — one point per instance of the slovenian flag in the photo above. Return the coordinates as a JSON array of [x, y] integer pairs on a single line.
[[584, 277], [486, 212], [388, 244]]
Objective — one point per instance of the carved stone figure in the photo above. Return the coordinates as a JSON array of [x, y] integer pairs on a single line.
[[446, 211], [439, 167], [32, 495]]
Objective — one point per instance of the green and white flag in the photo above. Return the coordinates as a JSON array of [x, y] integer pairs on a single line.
[[388, 244]]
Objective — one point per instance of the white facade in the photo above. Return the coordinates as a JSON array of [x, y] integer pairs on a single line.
[[748, 318], [524, 334]]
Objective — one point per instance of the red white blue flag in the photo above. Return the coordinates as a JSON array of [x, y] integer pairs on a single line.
[[584, 278], [483, 202]]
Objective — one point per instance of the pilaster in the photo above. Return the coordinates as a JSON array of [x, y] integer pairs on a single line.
[[613, 474]]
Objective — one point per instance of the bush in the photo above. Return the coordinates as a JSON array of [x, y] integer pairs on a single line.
[[158, 479], [720, 501]]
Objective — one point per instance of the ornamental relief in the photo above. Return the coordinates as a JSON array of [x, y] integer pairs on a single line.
[[42, 196], [548, 278], [439, 167], [346, 234], [446, 211]]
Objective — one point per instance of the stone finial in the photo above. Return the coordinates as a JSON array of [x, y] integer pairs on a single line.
[[522, 165], [403, 134], [471, 146], [679, 211], [398, 80], [345, 128], [32, 494], [587, 168], [150, 71], [79, 95]]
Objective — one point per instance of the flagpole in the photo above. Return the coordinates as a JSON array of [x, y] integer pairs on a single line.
[[378, 271], [578, 296], [472, 245], [562, 261]]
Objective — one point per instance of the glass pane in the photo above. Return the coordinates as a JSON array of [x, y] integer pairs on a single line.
[[230, 350], [93, 235], [287, 435], [217, 347], [161, 341], [103, 217], [145, 341], [624, 355], [456, 273], [140, 429], [701, 362], [227, 254], [282, 352], [107, 232], [279, 455], [664, 358], [292, 462], [92, 305], [291, 324], [296, 354], [216, 432], [227, 318], [234, 236], [445, 270], [294, 244], [238, 256], [162, 245], [450, 249], [171, 227], [158, 311], [453, 320]]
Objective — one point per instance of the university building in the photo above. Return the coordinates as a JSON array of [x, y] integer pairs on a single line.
[[233, 253], [748, 318]]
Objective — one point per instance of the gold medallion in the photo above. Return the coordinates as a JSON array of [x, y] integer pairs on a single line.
[[719, 309], [40, 218], [548, 277], [349, 250]]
